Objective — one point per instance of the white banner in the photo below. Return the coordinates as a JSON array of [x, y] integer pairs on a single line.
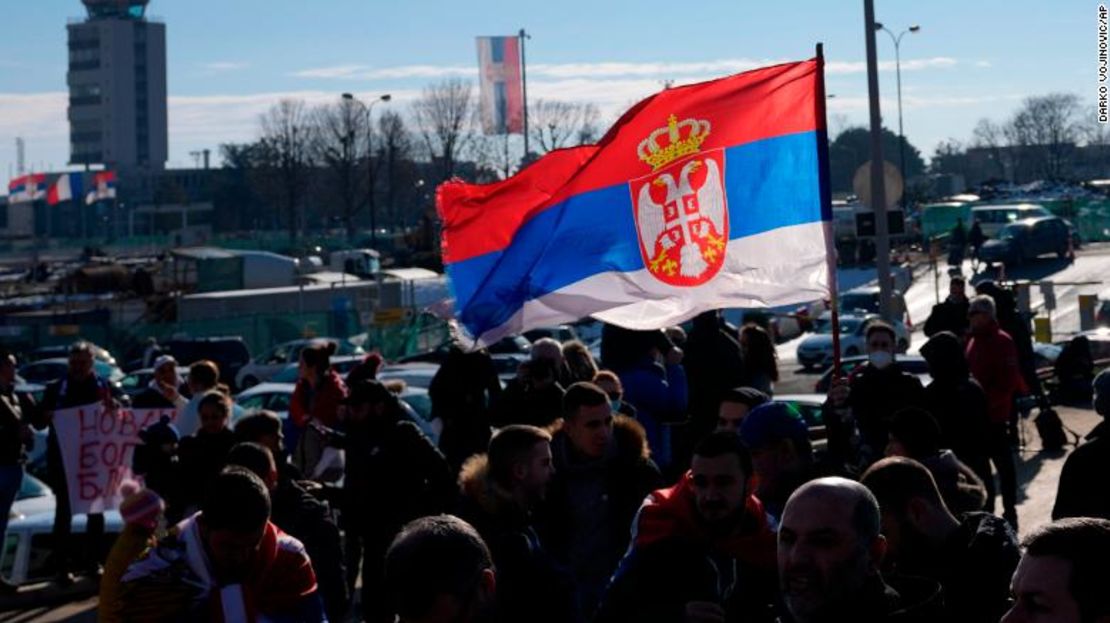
[[97, 446]]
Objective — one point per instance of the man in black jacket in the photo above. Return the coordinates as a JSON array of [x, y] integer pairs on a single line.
[[81, 386], [714, 365], [393, 474], [164, 389], [16, 410], [972, 557], [603, 471], [875, 392], [1082, 489], [951, 313], [502, 491]]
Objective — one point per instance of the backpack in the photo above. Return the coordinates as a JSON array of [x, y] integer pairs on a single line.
[[1051, 430]]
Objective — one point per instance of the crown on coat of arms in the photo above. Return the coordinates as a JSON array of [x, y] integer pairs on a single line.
[[677, 139]]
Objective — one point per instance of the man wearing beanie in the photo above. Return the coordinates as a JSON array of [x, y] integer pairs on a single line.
[[782, 456]]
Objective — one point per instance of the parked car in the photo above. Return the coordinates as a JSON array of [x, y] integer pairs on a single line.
[[865, 299], [816, 350], [135, 382], [49, 370], [265, 366], [413, 374], [29, 540], [810, 407], [1026, 240], [229, 353], [290, 373], [509, 345], [1099, 340], [914, 364], [277, 397], [62, 351]]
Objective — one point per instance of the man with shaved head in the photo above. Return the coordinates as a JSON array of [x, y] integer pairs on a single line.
[[830, 552]]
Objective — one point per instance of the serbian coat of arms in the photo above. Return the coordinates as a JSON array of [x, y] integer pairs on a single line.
[[680, 207]]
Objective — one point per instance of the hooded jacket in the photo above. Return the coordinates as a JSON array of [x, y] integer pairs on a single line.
[[974, 566], [955, 399], [960, 487], [174, 581], [591, 503], [531, 585], [674, 559]]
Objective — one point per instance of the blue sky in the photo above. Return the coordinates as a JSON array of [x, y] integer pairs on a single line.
[[231, 59]]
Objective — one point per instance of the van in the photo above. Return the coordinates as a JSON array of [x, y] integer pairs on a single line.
[[992, 218]]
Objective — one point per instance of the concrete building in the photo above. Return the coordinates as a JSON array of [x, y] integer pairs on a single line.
[[117, 87]]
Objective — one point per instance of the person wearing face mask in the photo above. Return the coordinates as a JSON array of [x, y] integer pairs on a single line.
[[871, 396]]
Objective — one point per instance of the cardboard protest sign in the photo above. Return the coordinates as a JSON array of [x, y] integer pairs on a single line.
[[97, 445]]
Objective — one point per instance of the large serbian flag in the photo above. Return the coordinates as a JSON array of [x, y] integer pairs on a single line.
[[501, 89], [30, 187], [66, 188], [705, 196]]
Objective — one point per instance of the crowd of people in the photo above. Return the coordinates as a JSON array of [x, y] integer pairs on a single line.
[[661, 483]]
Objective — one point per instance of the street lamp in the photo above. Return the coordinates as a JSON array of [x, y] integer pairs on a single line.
[[369, 160], [898, 72]]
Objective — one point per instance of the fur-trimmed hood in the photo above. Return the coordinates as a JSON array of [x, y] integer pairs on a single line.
[[629, 439], [477, 486]]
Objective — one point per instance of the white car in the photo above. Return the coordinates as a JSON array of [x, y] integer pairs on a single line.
[[277, 358], [29, 540], [277, 397], [816, 350]]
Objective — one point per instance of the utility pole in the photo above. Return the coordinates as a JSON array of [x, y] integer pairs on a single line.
[[878, 182], [524, 90]]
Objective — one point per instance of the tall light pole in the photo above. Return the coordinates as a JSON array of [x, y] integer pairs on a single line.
[[369, 160], [898, 72]]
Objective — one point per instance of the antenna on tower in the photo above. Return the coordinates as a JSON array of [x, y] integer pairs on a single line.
[[20, 148]]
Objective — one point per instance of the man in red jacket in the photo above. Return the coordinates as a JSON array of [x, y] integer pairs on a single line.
[[993, 359], [702, 549]]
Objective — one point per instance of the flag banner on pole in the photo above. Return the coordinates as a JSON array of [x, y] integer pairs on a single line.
[[104, 187], [501, 89], [31, 187], [67, 187], [706, 196]]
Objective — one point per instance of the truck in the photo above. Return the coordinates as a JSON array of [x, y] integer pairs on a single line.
[[359, 262]]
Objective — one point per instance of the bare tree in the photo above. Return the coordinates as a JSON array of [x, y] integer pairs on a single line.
[[554, 124], [444, 116], [991, 137], [286, 133], [395, 152], [339, 144], [1047, 125]]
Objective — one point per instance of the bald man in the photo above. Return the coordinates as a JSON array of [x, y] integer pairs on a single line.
[[830, 552]]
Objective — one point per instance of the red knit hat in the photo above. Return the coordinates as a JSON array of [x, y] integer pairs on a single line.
[[140, 507]]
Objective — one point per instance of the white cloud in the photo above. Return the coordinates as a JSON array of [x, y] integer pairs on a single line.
[[225, 66], [983, 64], [603, 69]]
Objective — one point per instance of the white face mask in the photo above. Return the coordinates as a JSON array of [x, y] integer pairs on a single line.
[[880, 359]]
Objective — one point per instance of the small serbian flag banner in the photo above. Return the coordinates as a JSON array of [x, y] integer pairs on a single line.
[[104, 187], [31, 187], [65, 188], [706, 196], [501, 89]]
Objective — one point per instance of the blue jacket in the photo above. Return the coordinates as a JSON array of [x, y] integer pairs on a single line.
[[659, 393]]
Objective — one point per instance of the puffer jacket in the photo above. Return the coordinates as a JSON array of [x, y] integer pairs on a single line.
[[531, 585]]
